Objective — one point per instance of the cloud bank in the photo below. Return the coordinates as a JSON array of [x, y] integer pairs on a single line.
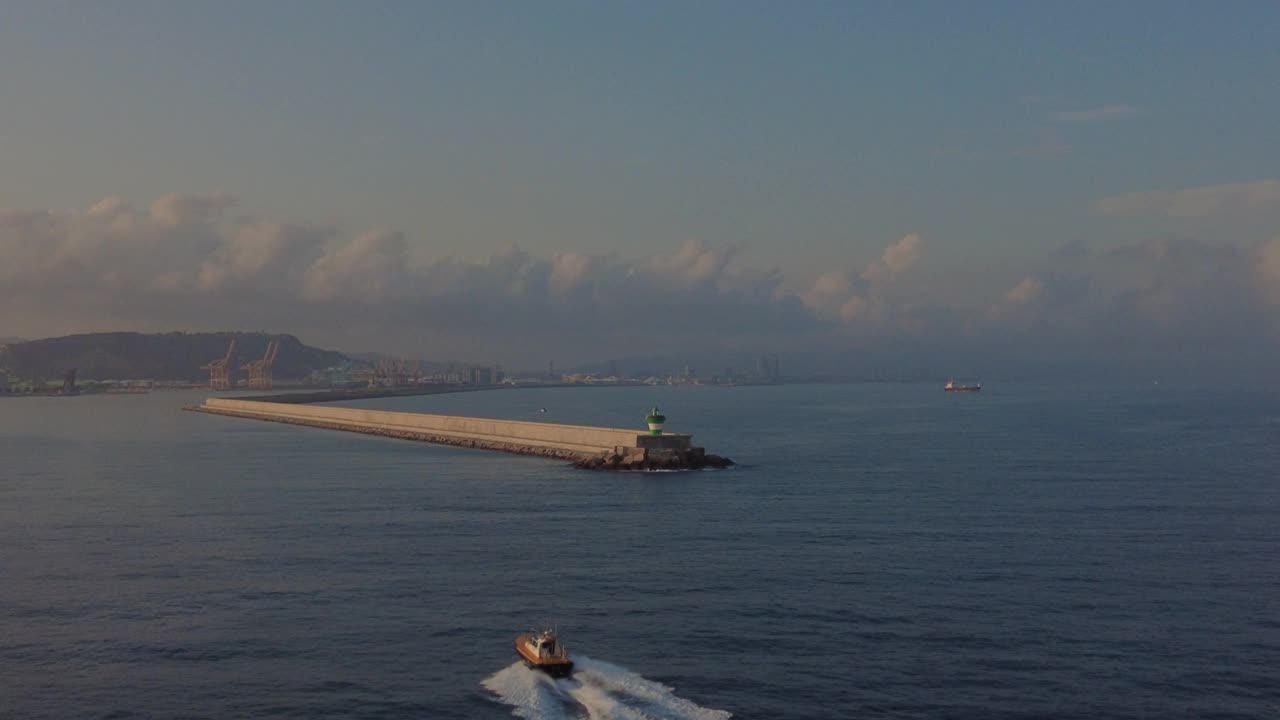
[[184, 262], [1204, 201]]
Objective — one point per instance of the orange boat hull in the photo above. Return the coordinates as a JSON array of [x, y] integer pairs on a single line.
[[555, 666]]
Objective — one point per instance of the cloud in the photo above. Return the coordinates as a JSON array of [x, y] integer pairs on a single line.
[[1025, 292], [1096, 114], [1161, 307], [371, 268], [1183, 287], [1161, 287], [895, 260], [570, 271], [1055, 300], [180, 209], [56, 249], [829, 292], [1268, 264], [860, 299], [271, 251], [1020, 297], [1203, 201], [184, 262]]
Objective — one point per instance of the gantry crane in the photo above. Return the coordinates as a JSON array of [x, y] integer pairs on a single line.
[[372, 375], [220, 370], [260, 370]]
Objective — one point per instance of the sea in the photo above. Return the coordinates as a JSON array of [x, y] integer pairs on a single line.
[[881, 550]]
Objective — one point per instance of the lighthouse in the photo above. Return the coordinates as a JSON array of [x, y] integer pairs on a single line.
[[655, 420]]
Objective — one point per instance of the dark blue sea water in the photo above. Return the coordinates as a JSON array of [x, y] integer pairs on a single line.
[[883, 550]]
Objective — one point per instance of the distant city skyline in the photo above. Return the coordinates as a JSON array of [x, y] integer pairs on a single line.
[[1022, 186]]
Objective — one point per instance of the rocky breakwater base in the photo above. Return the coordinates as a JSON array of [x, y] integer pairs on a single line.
[[655, 452]]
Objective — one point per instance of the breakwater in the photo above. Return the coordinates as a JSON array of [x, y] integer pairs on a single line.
[[588, 447], [325, 396]]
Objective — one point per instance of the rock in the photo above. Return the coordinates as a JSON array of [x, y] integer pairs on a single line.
[[716, 461], [641, 459]]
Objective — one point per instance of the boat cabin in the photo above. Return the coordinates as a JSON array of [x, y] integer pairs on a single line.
[[544, 645]]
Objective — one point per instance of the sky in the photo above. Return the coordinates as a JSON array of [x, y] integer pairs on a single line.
[[1021, 187]]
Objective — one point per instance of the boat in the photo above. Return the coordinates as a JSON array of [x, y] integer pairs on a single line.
[[541, 651], [951, 386]]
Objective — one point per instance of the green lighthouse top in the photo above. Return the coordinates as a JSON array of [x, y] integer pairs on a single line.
[[655, 419]]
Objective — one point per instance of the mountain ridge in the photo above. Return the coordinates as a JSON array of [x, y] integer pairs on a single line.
[[158, 356]]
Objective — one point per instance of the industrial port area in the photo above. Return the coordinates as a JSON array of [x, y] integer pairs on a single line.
[[260, 362]]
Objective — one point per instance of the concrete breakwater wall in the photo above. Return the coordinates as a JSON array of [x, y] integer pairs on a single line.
[[325, 396], [589, 447]]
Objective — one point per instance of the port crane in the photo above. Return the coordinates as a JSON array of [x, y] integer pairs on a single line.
[[220, 370], [385, 372], [260, 370]]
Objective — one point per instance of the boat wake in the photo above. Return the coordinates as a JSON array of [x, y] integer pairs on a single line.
[[597, 691]]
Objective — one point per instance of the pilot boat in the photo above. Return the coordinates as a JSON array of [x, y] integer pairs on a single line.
[[951, 386], [541, 651]]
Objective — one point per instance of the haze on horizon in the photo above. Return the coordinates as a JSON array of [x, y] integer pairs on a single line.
[[1005, 187]]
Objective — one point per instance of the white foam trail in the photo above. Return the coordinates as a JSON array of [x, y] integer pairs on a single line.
[[601, 690], [633, 691], [533, 694], [600, 705]]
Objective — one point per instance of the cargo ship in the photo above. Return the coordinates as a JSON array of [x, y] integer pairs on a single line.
[[951, 386], [541, 651]]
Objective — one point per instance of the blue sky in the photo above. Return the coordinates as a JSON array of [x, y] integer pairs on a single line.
[[810, 135]]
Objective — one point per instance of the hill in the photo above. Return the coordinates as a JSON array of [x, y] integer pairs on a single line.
[[167, 356]]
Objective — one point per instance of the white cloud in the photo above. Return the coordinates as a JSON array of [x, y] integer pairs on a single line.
[[569, 271], [695, 265], [372, 267], [1163, 286], [829, 292], [1203, 201], [1021, 296], [895, 260], [859, 299], [178, 209], [184, 263], [856, 309], [1025, 292]]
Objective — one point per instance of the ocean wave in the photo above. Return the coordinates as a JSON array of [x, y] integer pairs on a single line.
[[597, 690]]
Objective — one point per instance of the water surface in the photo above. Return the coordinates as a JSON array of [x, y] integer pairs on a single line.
[[882, 550]]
